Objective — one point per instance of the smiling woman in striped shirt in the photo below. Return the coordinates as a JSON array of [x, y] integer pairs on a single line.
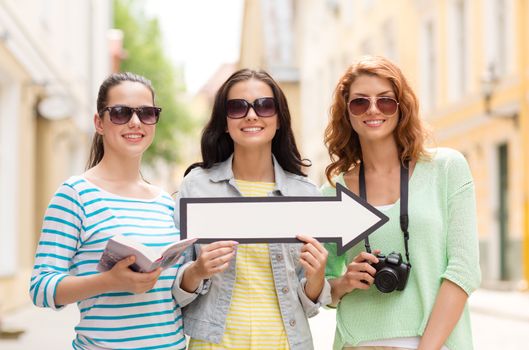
[[119, 308]]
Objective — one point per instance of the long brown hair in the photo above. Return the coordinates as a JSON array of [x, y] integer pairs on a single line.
[[342, 141], [216, 143], [97, 149]]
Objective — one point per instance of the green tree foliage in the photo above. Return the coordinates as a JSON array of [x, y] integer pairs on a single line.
[[142, 42]]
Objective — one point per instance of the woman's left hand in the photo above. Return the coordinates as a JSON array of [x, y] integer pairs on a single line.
[[313, 258]]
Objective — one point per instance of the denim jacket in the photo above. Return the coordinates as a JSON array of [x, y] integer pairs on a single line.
[[205, 317]]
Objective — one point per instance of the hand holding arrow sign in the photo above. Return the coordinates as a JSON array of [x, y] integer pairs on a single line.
[[345, 219]]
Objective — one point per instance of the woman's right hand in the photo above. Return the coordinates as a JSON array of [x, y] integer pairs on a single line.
[[118, 279], [359, 275], [213, 258], [122, 278]]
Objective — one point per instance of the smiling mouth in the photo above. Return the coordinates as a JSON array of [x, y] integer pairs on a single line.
[[374, 122], [133, 136], [252, 129]]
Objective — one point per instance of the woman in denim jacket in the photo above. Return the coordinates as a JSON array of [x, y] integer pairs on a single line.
[[250, 295]]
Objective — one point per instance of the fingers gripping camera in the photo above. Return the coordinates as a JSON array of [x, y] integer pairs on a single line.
[[392, 273]]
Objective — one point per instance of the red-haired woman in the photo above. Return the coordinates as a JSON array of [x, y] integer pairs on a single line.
[[376, 142]]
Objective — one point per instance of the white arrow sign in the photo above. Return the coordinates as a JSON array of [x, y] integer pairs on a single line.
[[345, 219]]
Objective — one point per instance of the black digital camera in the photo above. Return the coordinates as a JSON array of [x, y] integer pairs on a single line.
[[392, 273]]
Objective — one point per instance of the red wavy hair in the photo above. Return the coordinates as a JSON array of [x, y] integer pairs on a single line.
[[342, 141]]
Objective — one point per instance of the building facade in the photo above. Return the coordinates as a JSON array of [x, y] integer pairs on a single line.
[[53, 56], [468, 61], [269, 41]]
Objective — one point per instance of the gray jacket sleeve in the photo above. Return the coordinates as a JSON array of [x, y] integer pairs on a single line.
[[311, 308], [181, 296], [179, 195]]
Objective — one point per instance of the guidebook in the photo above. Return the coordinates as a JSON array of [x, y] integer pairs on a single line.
[[147, 258]]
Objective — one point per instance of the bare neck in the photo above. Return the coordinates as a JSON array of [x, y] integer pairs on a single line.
[[253, 165], [380, 157], [113, 168]]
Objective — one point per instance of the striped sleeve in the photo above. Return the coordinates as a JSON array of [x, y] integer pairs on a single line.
[[58, 243]]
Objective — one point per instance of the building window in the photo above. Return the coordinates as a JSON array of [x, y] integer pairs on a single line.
[[428, 59], [503, 209], [457, 60], [497, 39], [500, 23], [389, 37]]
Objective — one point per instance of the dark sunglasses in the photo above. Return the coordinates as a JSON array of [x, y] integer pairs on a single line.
[[263, 107], [122, 114], [359, 105]]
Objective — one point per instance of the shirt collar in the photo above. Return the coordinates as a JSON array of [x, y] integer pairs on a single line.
[[224, 172]]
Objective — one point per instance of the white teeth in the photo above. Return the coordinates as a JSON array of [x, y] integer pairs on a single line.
[[133, 136], [374, 122], [252, 129]]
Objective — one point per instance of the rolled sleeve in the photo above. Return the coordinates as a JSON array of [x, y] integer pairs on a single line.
[[44, 291], [183, 297], [462, 236], [311, 308]]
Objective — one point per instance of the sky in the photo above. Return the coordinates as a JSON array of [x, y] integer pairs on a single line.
[[199, 34]]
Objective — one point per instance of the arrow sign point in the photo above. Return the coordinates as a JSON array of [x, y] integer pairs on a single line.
[[357, 217], [345, 219]]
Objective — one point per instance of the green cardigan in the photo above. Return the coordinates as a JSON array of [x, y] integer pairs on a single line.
[[443, 245]]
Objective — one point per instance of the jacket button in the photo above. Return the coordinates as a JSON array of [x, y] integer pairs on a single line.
[[285, 290], [279, 257], [292, 323]]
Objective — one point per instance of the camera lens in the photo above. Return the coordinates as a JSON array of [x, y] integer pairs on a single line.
[[386, 280]]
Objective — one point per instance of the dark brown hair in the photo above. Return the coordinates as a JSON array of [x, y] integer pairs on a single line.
[[97, 150], [342, 141], [216, 143]]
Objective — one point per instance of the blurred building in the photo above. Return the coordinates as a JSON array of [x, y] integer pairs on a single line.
[[53, 56], [269, 42], [468, 62], [208, 91], [200, 105]]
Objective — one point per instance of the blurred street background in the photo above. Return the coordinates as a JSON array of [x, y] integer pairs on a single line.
[[468, 61], [500, 320]]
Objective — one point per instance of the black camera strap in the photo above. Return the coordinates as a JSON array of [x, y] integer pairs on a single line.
[[404, 179]]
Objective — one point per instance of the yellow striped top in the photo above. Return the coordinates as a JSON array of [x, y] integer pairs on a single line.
[[254, 320]]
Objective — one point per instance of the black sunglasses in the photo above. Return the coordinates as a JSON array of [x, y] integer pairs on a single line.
[[360, 105], [122, 114], [263, 107]]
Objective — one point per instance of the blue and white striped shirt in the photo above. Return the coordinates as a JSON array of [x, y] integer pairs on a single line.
[[78, 222]]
